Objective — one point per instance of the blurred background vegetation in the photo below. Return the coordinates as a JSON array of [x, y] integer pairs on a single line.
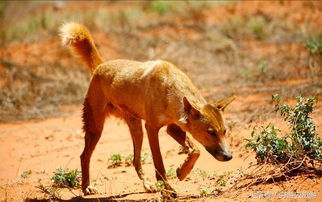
[[246, 48]]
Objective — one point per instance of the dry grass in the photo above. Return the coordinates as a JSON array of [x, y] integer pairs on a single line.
[[242, 55], [37, 91]]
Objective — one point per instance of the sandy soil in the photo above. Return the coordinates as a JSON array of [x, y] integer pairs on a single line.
[[43, 146]]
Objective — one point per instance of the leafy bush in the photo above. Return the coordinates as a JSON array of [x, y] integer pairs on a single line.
[[300, 144], [65, 177]]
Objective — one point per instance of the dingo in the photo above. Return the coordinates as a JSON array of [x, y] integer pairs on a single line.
[[154, 91]]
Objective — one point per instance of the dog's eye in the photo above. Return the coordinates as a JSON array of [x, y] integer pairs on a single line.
[[211, 132]]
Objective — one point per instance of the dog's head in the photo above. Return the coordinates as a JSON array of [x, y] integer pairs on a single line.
[[207, 126]]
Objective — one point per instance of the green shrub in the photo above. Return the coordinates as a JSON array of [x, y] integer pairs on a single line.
[[65, 177], [300, 144]]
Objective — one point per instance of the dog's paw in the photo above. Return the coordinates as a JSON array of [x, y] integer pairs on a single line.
[[90, 190], [149, 187], [168, 192], [182, 173]]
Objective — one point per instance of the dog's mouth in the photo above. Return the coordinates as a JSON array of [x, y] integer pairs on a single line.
[[219, 154]]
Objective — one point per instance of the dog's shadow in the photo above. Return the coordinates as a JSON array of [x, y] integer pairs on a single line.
[[120, 197]]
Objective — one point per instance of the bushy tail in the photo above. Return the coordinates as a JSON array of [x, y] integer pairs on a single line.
[[77, 36]]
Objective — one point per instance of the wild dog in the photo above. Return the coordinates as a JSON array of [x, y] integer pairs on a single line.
[[154, 91]]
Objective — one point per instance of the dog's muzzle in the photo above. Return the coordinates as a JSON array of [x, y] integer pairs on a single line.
[[220, 155]]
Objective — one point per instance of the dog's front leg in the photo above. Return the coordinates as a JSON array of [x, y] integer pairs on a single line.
[[186, 167], [157, 159], [193, 152]]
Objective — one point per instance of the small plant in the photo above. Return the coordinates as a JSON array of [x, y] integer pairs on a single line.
[[160, 6], [171, 173], [315, 59], [66, 178], [257, 26], [128, 160], [314, 46], [221, 180], [294, 148], [207, 192], [115, 160], [25, 174], [159, 185]]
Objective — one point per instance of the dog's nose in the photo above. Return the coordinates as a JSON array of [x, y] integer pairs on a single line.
[[227, 157]]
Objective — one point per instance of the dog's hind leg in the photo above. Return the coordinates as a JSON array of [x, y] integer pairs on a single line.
[[135, 127], [94, 113], [193, 152]]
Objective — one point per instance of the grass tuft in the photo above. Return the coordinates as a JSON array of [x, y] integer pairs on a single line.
[[66, 178]]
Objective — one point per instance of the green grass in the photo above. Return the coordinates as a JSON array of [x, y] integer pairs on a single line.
[[66, 178]]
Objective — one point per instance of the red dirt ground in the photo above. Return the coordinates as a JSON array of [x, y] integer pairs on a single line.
[[43, 146]]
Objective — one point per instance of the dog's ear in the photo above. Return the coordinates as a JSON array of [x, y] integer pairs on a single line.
[[223, 103], [189, 108]]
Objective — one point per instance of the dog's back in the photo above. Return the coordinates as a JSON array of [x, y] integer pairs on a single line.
[[142, 88]]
